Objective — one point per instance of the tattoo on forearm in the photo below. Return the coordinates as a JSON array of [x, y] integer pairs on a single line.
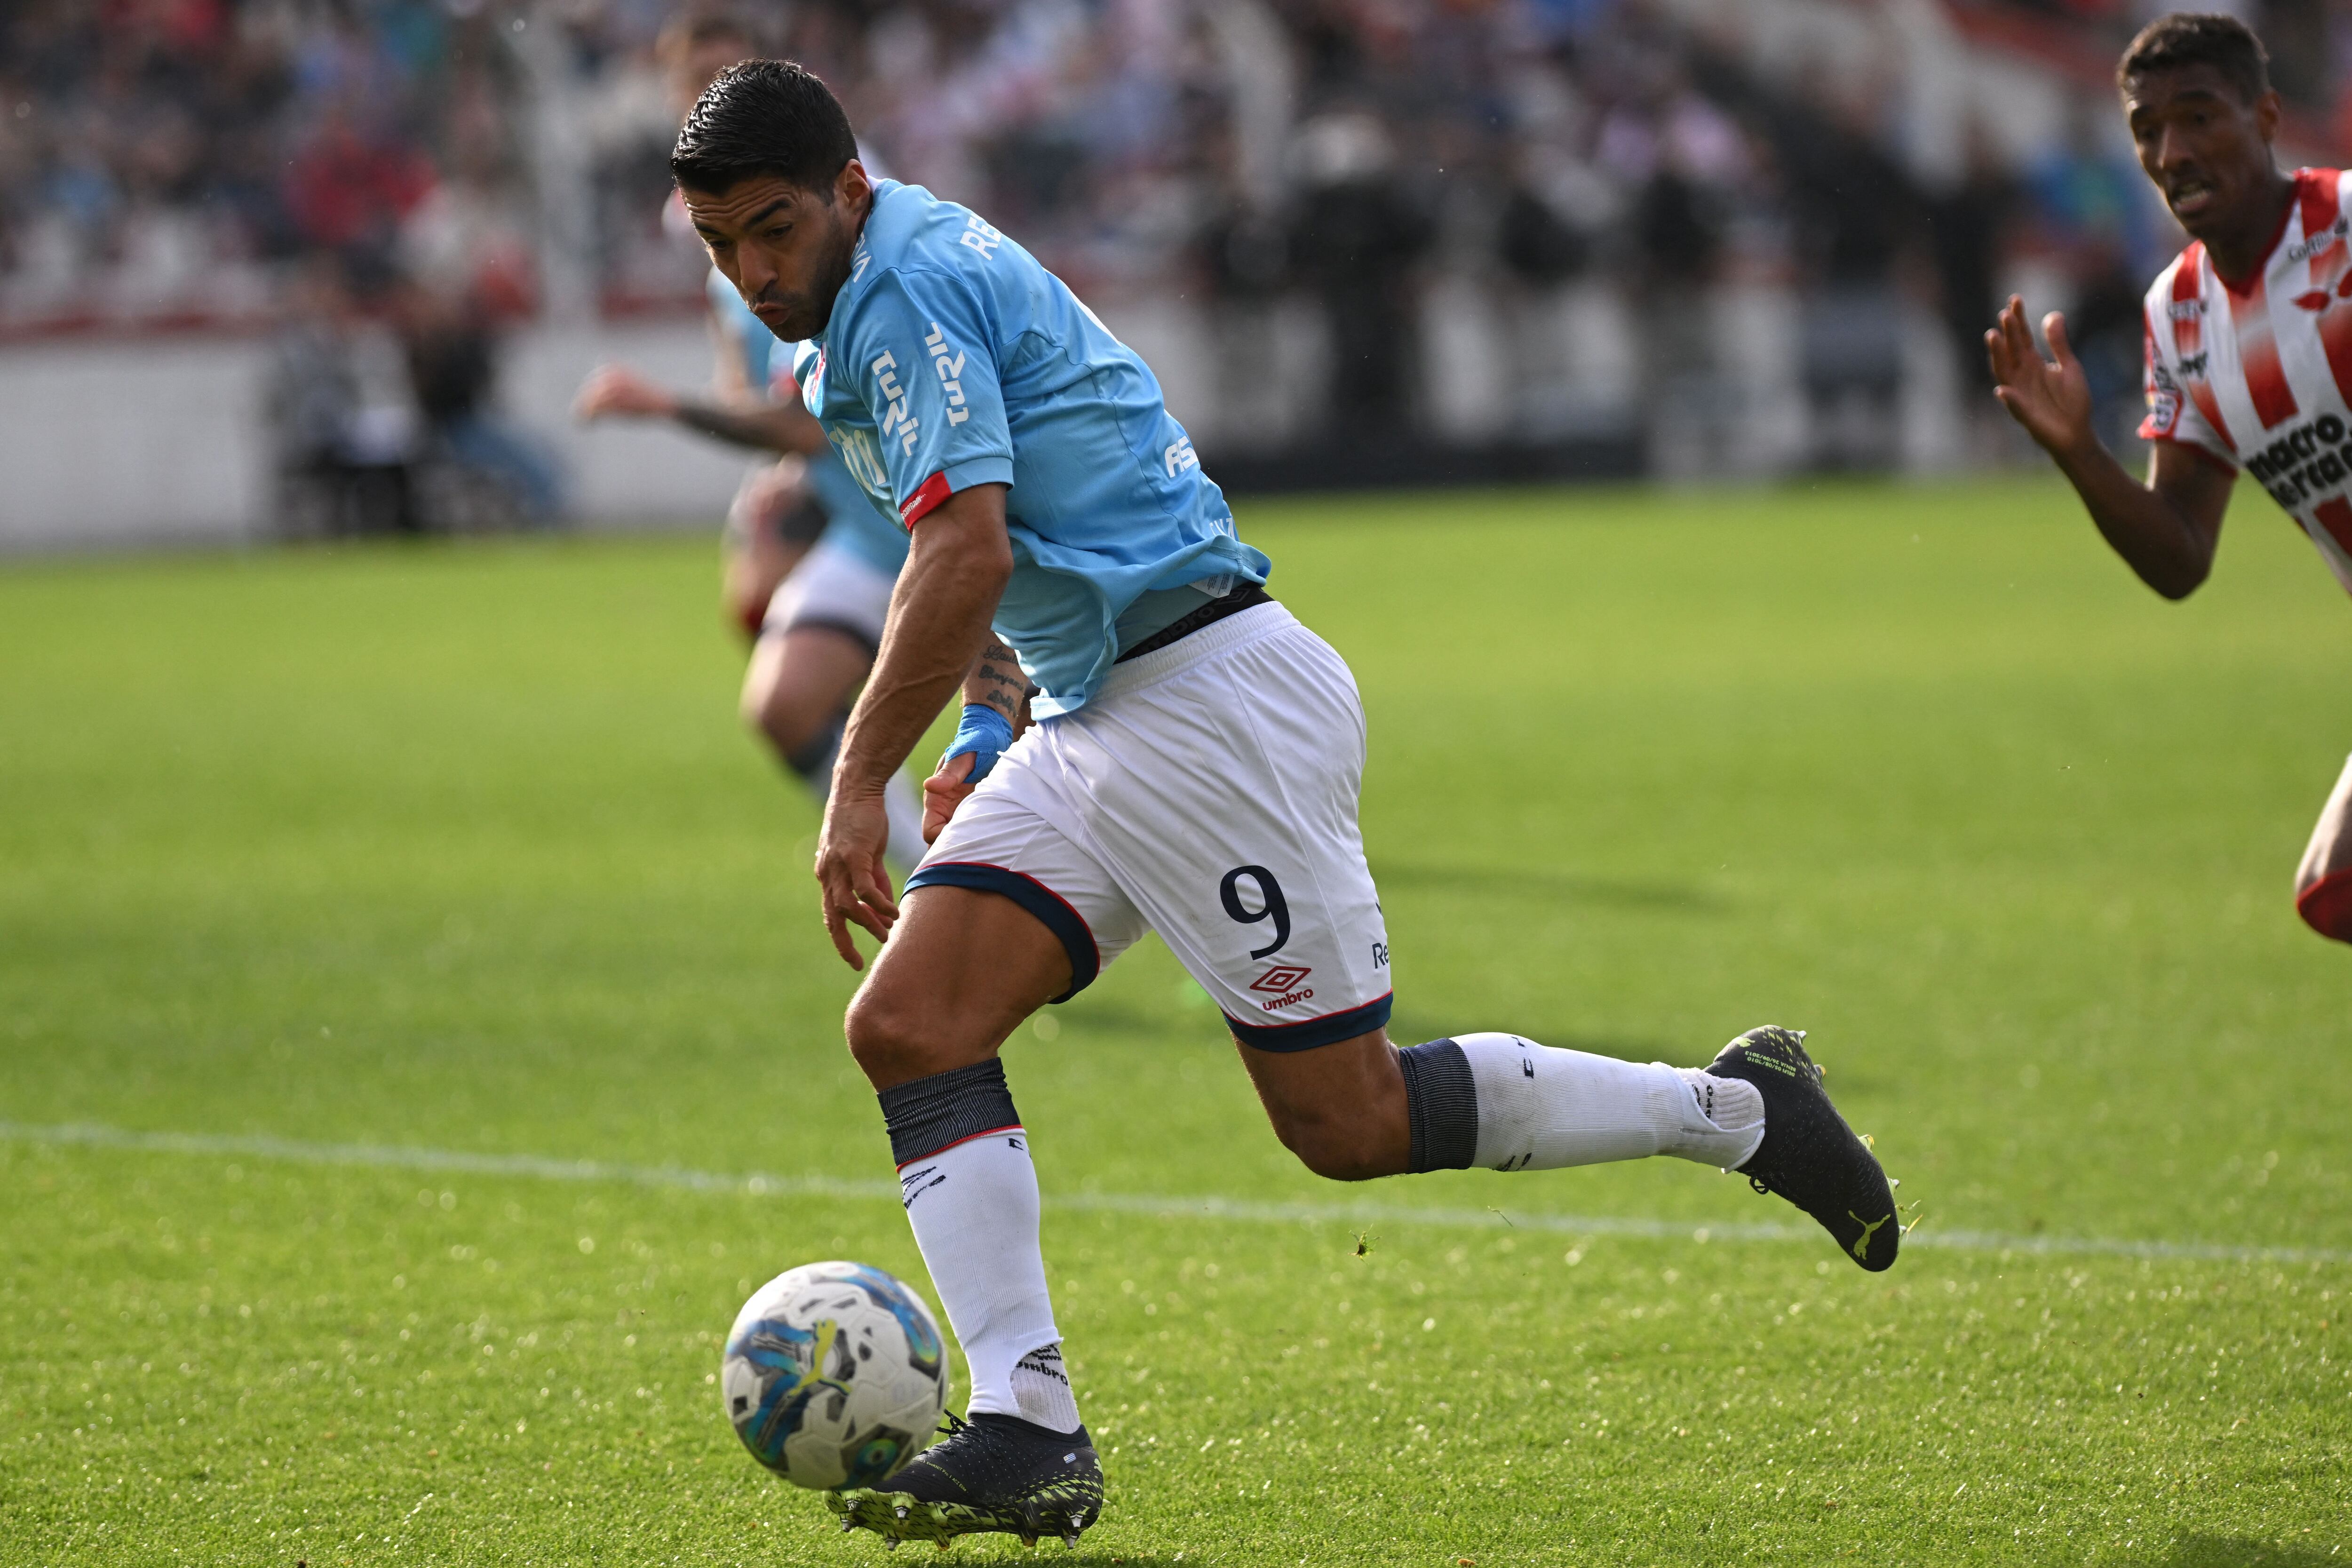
[[736, 426], [998, 682]]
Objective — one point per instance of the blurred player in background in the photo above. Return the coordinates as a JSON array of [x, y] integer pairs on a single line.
[[1193, 769], [2248, 353], [809, 559]]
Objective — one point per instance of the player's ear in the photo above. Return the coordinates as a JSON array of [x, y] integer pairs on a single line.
[[2267, 109], [854, 190]]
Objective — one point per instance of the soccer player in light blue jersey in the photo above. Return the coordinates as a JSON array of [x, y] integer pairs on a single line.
[[1149, 742], [809, 557]]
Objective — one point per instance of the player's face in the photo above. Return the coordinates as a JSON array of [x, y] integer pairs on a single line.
[[2207, 150], [784, 246]]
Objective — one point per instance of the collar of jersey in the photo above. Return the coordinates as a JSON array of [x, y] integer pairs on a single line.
[[892, 238], [2245, 284]]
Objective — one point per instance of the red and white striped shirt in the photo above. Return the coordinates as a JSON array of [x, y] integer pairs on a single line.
[[2256, 373]]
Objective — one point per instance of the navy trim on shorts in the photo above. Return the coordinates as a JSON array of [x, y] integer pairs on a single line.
[[1048, 906], [1314, 1031]]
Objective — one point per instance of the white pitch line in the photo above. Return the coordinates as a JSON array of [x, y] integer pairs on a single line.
[[398, 1157]]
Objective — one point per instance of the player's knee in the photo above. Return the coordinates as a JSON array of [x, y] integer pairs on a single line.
[[1332, 1148], [803, 735], [887, 1039], [758, 696]]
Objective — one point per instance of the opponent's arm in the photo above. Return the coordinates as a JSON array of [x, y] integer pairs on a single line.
[[772, 427], [2166, 527], [618, 391], [960, 559]]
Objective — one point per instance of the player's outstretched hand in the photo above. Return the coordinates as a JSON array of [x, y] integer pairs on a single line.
[[944, 792], [2052, 398], [615, 389], [849, 870]]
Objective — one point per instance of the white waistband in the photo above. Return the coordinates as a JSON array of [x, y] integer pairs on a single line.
[[1218, 637]]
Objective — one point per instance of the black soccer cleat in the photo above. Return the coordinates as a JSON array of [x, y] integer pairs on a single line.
[[1809, 1155], [993, 1473]]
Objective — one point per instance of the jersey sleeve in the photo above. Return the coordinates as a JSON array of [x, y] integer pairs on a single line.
[[926, 369], [2172, 415]]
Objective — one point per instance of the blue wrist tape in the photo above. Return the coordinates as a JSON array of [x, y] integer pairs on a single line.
[[982, 731]]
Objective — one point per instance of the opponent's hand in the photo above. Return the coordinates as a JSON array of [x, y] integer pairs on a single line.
[[2052, 398], [615, 389], [854, 884], [766, 494]]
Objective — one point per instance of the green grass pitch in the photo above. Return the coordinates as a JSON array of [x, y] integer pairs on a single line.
[[349, 899]]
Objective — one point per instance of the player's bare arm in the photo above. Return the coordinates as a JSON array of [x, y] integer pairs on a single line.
[[614, 391], [781, 427], [998, 684], [2166, 527], [956, 571]]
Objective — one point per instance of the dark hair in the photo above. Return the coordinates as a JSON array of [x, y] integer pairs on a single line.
[[2189, 39], [764, 117]]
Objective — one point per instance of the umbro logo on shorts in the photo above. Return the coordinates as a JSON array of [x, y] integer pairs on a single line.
[[1287, 981]]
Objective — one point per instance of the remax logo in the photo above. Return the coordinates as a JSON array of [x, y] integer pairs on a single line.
[[1281, 977]]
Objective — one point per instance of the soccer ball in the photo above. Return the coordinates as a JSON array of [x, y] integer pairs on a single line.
[[835, 1375]]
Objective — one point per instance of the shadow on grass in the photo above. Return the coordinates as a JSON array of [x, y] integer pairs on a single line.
[[1655, 894], [2236, 1551]]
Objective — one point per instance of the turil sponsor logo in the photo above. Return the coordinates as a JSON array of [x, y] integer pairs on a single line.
[[948, 363], [899, 416]]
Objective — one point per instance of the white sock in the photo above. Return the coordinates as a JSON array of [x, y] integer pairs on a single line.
[[1040, 1385], [972, 1202], [1535, 1108], [1733, 1108]]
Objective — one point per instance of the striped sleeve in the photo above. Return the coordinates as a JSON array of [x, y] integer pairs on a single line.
[[2173, 415]]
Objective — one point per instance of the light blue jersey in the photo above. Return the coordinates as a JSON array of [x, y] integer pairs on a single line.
[[953, 359], [854, 521]]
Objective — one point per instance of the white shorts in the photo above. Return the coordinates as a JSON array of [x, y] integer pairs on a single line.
[[1206, 791], [833, 587]]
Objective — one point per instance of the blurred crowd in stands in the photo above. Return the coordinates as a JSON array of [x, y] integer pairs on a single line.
[[1482, 221]]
